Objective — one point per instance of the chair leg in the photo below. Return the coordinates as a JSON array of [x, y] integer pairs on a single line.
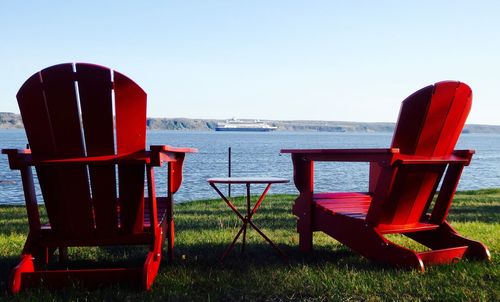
[[304, 229], [25, 265], [40, 254], [366, 240], [170, 237], [447, 237], [63, 254], [372, 245], [152, 263]]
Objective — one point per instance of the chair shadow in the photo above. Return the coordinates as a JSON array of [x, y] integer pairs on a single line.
[[262, 255], [6, 265], [483, 213]]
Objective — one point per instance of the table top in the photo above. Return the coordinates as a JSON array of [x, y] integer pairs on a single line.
[[245, 180]]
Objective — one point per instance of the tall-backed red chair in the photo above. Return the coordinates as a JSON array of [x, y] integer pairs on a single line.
[[86, 128], [403, 182]]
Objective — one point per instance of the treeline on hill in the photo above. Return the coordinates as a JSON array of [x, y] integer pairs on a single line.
[[13, 121]]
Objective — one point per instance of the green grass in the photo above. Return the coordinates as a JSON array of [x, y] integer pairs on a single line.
[[331, 272]]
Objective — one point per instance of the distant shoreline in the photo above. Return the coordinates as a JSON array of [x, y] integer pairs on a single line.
[[10, 120]]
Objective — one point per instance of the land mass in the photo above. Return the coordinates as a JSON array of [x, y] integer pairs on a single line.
[[10, 120]]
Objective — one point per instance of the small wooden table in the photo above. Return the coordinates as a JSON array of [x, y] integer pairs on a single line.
[[247, 219]]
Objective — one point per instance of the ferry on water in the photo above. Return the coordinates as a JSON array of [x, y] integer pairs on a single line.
[[244, 125]]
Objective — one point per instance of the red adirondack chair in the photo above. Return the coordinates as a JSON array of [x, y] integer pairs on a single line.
[[403, 182], [91, 169]]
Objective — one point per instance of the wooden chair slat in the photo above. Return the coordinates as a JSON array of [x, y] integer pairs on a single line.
[[130, 107], [95, 88], [434, 123], [62, 105], [37, 125]]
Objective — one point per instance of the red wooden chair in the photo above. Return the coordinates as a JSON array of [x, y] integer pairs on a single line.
[[403, 182], [91, 170]]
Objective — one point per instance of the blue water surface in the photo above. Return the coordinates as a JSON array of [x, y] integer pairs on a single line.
[[257, 154]]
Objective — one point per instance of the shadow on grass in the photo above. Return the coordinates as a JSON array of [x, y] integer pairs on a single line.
[[481, 213], [6, 265], [262, 255]]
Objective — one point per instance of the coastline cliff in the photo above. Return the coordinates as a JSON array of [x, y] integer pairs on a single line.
[[10, 120]]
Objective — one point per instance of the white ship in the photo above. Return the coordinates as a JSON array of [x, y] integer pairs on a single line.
[[244, 125]]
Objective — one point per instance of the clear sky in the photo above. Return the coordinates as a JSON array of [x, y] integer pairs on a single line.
[[269, 59]]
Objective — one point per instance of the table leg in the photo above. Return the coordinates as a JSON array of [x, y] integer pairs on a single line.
[[250, 221], [244, 236], [230, 247], [268, 240], [242, 229], [247, 218], [257, 204], [228, 202]]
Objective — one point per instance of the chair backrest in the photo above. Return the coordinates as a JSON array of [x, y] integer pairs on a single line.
[[430, 122], [68, 111]]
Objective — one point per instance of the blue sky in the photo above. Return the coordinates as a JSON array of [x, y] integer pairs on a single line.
[[313, 60]]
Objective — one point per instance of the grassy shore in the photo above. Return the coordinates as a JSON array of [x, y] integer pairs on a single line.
[[331, 272]]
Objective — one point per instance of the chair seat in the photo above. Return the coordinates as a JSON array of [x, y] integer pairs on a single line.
[[94, 239], [356, 205], [162, 206], [352, 204]]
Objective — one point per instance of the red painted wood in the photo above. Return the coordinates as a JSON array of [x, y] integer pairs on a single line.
[[56, 133], [355, 233], [341, 195], [303, 177], [95, 88], [31, 200], [38, 131], [446, 193], [133, 158], [431, 121], [444, 256], [26, 265], [161, 205], [456, 119], [130, 107], [411, 119], [446, 237], [403, 181], [406, 228], [62, 107], [68, 115]]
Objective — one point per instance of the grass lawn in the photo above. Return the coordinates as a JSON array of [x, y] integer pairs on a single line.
[[331, 272]]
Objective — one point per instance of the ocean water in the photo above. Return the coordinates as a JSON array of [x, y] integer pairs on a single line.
[[257, 154]]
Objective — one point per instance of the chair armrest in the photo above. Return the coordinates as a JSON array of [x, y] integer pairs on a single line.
[[168, 148], [175, 159], [382, 156], [303, 162], [164, 153], [136, 157], [23, 158], [458, 157], [18, 158]]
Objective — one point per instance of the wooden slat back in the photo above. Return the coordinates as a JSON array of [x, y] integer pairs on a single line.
[[95, 88], [429, 124], [130, 107], [53, 131], [50, 103]]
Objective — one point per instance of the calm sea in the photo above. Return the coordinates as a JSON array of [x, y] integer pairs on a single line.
[[257, 154]]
